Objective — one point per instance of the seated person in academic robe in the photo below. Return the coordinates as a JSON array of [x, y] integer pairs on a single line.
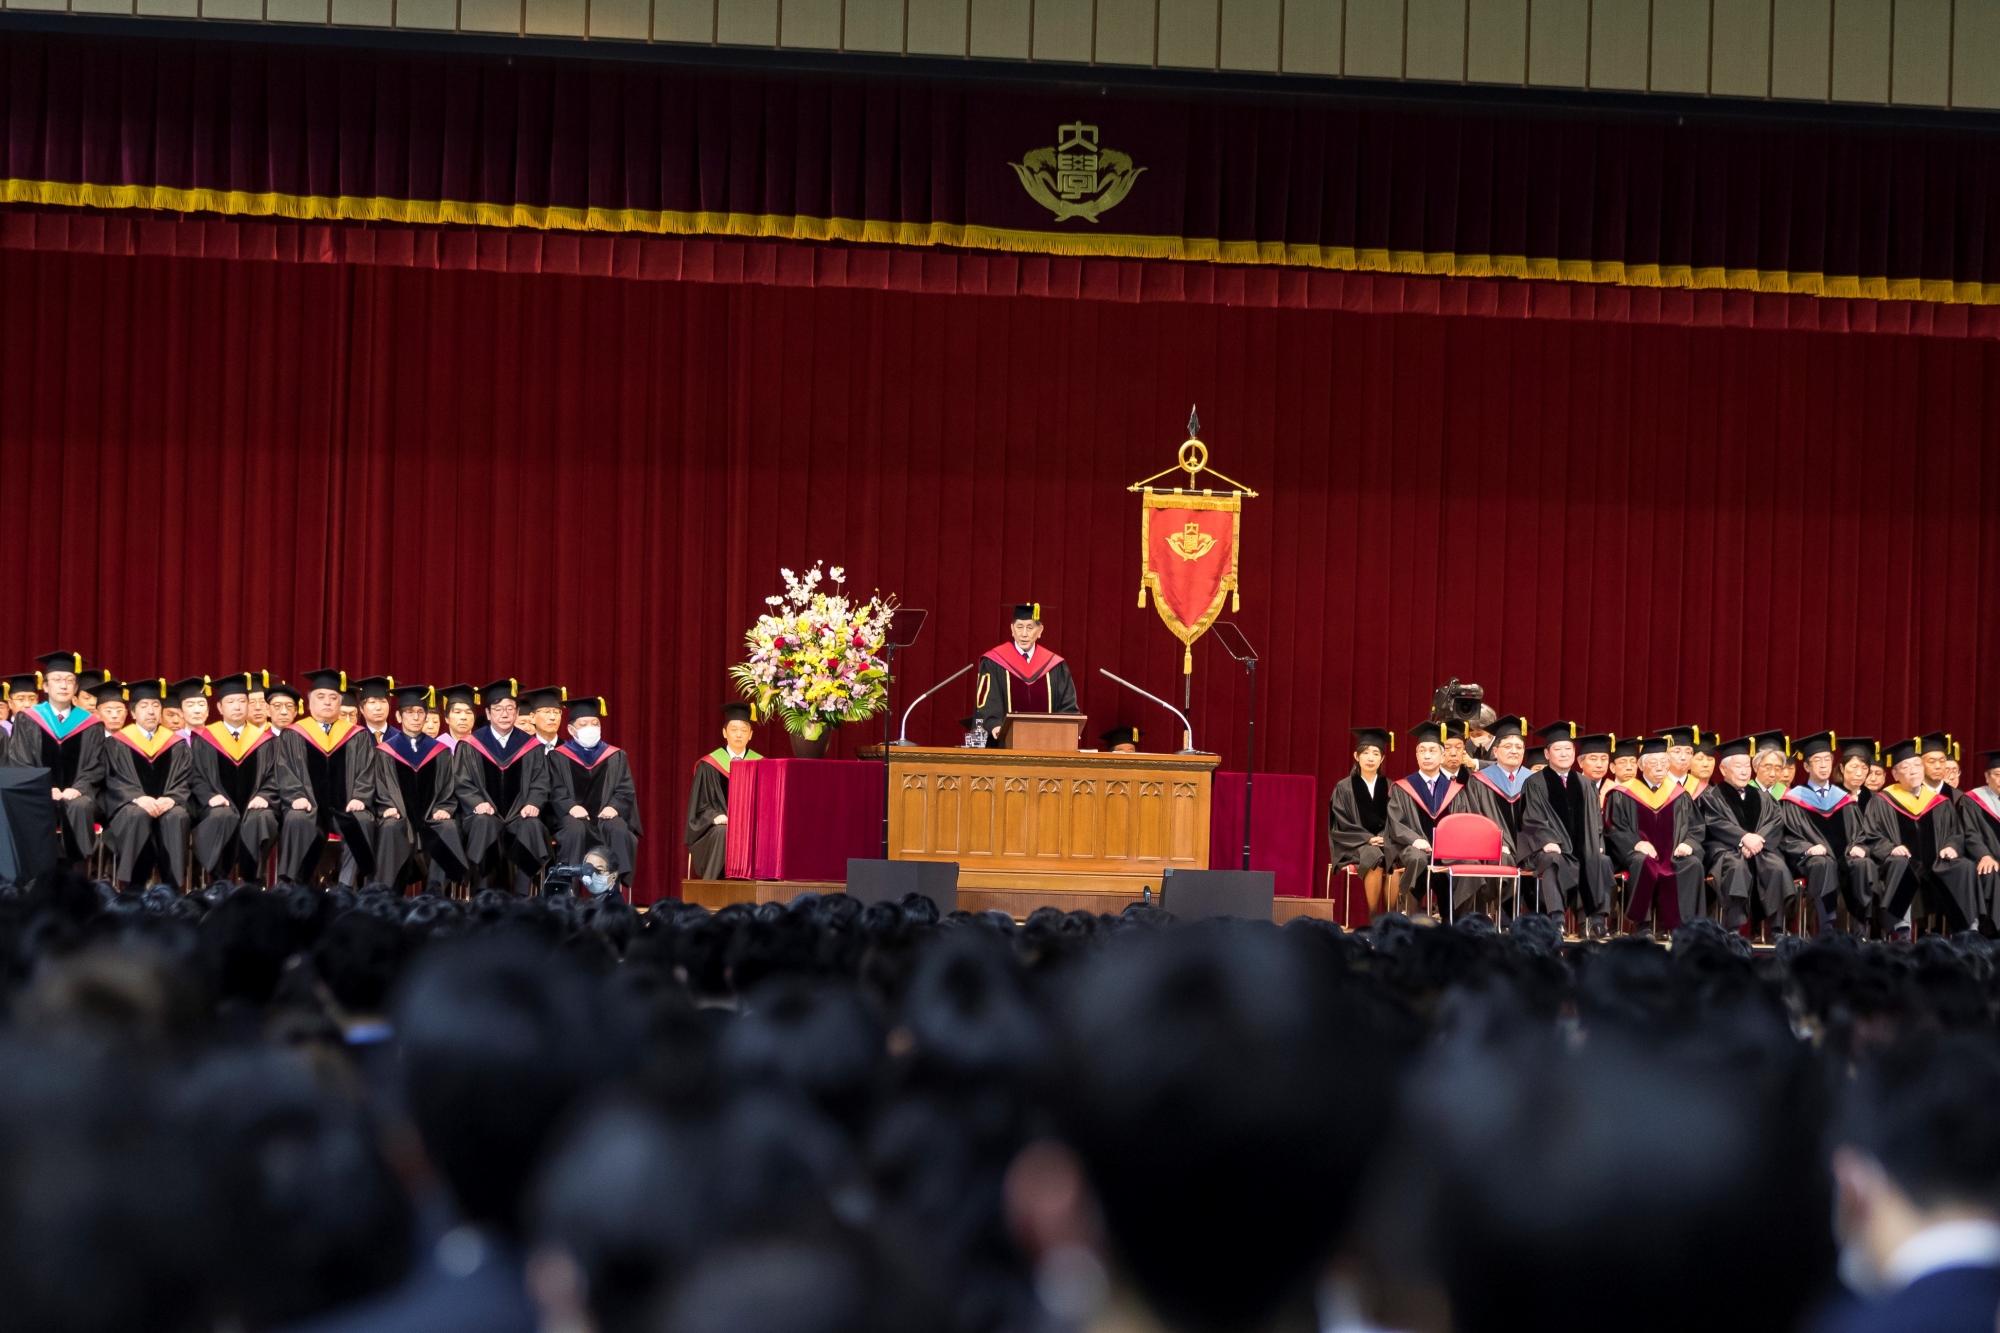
[[375, 701], [461, 703], [1857, 756], [1979, 816], [1593, 760], [190, 699], [593, 793], [1021, 676], [1624, 762], [416, 797], [1822, 842], [1120, 740], [68, 740], [1357, 818], [708, 801], [1499, 791], [147, 786], [282, 702], [1743, 830], [1701, 768], [114, 710], [1913, 836], [503, 783], [1562, 834], [1416, 803], [1651, 833], [331, 767], [1682, 743], [237, 784]]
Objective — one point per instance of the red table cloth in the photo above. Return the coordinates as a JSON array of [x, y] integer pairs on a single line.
[[802, 818], [1284, 820]]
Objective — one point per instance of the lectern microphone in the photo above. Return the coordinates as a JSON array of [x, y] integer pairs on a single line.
[[903, 734], [1187, 727]]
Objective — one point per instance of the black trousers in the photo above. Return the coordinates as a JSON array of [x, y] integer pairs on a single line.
[[1762, 882], [143, 844], [398, 840], [232, 842], [302, 838], [495, 847], [576, 836]]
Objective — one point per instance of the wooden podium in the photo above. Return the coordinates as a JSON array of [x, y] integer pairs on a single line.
[[1043, 733], [1071, 830]]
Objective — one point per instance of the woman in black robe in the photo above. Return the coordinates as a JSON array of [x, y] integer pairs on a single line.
[[1357, 817]]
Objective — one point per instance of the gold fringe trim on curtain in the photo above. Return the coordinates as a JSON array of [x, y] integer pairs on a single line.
[[350, 208]]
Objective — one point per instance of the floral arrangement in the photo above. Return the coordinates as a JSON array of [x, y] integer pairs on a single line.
[[813, 657]]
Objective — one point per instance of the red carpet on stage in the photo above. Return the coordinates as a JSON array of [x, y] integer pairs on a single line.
[[218, 465]]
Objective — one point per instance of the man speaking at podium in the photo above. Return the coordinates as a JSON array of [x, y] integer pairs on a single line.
[[1021, 676]]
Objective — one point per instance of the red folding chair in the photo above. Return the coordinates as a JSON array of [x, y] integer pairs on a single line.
[[1469, 844]]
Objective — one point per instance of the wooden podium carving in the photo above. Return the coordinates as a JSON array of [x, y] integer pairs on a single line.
[[1043, 733], [1083, 831]]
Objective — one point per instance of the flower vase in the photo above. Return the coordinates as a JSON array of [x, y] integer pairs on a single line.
[[811, 749]]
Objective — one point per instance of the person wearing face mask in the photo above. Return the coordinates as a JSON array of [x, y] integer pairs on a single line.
[[414, 793], [592, 791], [68, 740]]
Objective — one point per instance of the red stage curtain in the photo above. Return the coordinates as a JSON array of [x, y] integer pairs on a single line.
[[215, 466], [1646, 197]]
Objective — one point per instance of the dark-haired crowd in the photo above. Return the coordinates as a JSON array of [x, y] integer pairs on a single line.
[[355, 781], [1767, 832], [328, 1111]]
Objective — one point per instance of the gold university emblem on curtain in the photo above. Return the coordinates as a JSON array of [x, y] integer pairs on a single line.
[[1077, 178]]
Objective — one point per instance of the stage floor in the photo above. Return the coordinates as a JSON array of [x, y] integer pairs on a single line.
[[1017, 903]]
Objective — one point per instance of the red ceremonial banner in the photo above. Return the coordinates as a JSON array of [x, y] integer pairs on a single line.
[[1192, 553]]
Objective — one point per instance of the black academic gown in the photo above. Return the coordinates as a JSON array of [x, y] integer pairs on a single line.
[[160, 766], [1762, 881], [1410, 820], [1564, 812], [1925, 827], [1353, 816], [1835, 870], [510, 776], [1978, 811], [601, 780], [331, 769], [232, 837], [416, 782], [76, 761], [707, 841], [1009, 683]]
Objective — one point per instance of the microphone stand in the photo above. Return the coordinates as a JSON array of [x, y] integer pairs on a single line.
[[902, 631], [1187, 727], [903, 737], [1244, 653]]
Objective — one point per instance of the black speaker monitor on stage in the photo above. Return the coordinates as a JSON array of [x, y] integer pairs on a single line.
[[887, 881], [1193, 894], [27, 824]]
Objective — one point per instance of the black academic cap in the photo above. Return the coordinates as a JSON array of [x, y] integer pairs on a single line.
[[1433, 732], [90, 681], [28, 682], [1820, 742], [348, 700], [415, 696], [1120, 736], [1743, 745], [156, 688], [1596, 742], [327, 678], [1708, 747], [1907, 748], [500, 689], [1859, 747], [1557, 731], [375, 687], [1379, 737], [459, 694], [588, 706], [1511, 725], [1629, 748], [110, 688], [738, 712], [241, 683], [1535, 754], [1938, 742], [1024, 611], [1654, 744], [1688, 735], [1764, 742], [549, 696], [70, 662], [1989, 760], [192, 687], [277, 689]]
